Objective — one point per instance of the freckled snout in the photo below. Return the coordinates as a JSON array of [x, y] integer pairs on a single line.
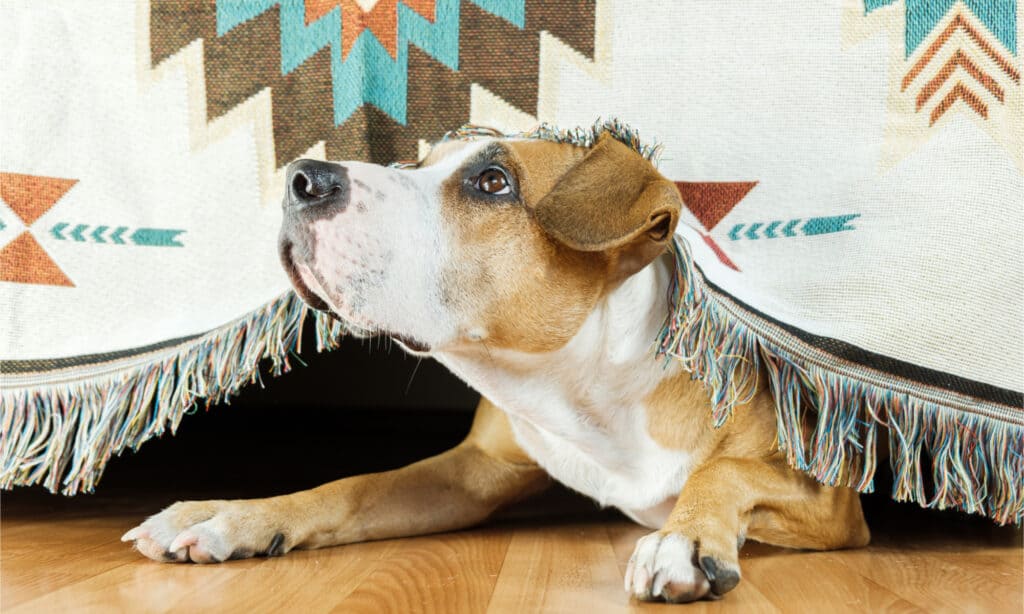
[[315, 190], [314, 185]]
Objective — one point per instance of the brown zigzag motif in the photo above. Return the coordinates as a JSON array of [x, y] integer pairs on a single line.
[[492, 53], [959, 22], [959, 59]]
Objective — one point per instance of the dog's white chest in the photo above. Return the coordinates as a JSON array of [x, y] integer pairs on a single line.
[[617, 464], [579, 411]]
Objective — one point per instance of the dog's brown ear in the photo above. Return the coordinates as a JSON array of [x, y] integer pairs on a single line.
[[610, 198]]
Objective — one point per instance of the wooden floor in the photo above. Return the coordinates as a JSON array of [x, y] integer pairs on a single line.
[[64, 556], [555, 554]]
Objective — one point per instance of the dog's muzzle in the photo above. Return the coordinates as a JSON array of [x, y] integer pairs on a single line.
[[317, 190], [314, 190]]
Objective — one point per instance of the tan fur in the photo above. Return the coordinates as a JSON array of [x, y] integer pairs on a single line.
[[526, 290], [672, 422], [461, 486], [532, 290], [753, 468]]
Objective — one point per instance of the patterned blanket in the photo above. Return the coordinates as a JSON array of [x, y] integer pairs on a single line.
[[853, 174]]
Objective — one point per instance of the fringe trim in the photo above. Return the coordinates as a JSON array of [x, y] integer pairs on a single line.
[[829, 423], [62, 435], [579, 136]]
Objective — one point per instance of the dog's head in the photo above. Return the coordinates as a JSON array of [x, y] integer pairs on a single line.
[[501, 241]]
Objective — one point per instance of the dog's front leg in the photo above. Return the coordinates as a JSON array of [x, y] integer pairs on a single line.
[[696, 553], [455, 489]]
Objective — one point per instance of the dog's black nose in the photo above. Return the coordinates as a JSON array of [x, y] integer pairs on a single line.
[[314, 183]]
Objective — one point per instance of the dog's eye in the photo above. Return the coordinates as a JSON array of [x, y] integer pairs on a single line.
[[493, 181]]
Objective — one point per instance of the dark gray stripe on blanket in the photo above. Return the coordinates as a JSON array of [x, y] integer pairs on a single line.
[[43, 365], [880, 362]]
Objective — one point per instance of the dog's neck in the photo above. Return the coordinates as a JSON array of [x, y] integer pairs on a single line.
[[608, 365]]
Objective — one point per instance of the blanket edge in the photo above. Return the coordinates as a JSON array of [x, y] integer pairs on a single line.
[[977, 460], [63, 434]]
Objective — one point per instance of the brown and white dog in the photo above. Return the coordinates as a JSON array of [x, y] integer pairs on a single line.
[[536, 271]]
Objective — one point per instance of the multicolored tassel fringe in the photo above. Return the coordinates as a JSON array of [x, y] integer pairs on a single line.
[[830, 417], [62, 436], [579, 136]]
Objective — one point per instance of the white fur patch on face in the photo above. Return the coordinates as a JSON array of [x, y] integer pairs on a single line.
[[378, 261]]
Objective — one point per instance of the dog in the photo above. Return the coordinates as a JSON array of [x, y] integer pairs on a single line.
[[537, 271]]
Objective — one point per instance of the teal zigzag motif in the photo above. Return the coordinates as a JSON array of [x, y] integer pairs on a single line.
[[813, 226], [154, 237], [999, 16], [369, 74]]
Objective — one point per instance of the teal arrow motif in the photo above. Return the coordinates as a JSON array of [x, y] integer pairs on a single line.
[[813, 226], [2, 226], [826, 225], [116, 235], [57, 229], [788, 230], [157, 237], [160, 237]]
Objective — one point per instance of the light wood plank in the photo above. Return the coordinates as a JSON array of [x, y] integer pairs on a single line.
[[816, 580], [70, 559], [443, 573], [570, 568]]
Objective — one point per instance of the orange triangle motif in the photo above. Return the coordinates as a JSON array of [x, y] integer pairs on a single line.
[[381, 19], [30, 196], [710, 201], [24, 261]]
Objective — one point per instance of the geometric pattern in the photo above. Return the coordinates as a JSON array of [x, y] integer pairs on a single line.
[[24, 260], [956, 56], [116, 235], [709, 202], [964, 88], [777, 229], [381, 18], [367, 83]]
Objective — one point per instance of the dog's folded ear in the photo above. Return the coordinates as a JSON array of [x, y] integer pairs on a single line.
[[612, 200]]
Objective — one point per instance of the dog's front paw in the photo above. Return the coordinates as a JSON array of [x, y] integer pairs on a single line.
[[669, 566], [208, 532]]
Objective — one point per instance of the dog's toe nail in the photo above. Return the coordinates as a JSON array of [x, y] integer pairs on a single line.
[[241, 553], [276, 547], [170, 557], [722, 577]]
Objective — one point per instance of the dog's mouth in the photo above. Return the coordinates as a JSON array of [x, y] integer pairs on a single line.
[[410, 343], [308, 296], [313, 300]]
